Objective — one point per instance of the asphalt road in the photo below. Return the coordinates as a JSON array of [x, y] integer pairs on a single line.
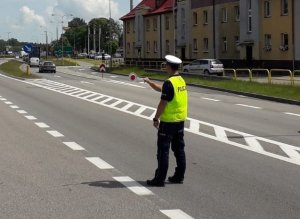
[[243, 154]]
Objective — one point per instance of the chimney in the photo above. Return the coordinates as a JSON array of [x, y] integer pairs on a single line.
[[131, 5]]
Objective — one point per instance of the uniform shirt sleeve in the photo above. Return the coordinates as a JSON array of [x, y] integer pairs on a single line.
[[167, 91]]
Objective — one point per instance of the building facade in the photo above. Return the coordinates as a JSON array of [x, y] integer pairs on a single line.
[[241, 33]]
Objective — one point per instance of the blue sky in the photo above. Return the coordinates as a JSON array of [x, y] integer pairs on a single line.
[[27, 20]]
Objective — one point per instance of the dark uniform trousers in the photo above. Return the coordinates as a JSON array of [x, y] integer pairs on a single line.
[[170, 133]]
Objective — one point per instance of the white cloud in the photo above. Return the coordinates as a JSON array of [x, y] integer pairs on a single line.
[[28, 16], [88, 9]]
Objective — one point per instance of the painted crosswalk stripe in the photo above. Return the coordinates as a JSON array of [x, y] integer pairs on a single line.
[[101, 164], [21, 111], [132, 185], [176, 214], [55, 134], [30, 117], [244, 105], [42, 125], [74, 146], [292, 114]]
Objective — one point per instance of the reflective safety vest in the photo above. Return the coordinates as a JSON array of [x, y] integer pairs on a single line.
[[176, 109]]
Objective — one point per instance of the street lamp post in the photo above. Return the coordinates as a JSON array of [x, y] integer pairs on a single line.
[[8, 39], [110, 35]]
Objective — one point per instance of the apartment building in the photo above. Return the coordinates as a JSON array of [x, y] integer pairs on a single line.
[[254, 33]]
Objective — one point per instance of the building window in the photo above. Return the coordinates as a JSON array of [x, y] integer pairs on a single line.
[[195, 18], [205, 17], [249, 24], [268, 42], [224, 15], [225, 46], [167, 24], [155, 24], [267, 8], [284, 7], [148, 46], [205, 44], [128, 26], [237, 42], [284, 42], [133, 27], [167, 46], [147, 25], [183, 30], [237, 13], [128, 48], [195, 44], [155, 46]]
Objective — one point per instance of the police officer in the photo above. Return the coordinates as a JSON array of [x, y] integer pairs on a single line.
[[169, 120]]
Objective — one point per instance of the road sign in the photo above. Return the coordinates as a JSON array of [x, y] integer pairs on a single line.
[[102, 68], [132, 76], [67, 50], [28, 48]]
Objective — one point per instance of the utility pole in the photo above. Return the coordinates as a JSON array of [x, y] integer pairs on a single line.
[[94, 38], [110, 36], [88, 44], [46, 44], [99, 39]]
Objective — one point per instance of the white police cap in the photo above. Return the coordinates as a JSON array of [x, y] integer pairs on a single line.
[[173, 60]]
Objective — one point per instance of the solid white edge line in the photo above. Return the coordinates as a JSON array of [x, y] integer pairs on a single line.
[[101, 164], [55, 134], [132, 185], [254, 107], [176, 214], [292, 114], [74, 146], [42, 125]]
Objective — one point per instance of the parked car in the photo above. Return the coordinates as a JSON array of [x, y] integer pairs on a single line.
[[47, 66], [205, 66], [34, 61]]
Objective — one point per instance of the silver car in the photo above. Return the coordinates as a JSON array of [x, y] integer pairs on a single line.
[[205, 66]]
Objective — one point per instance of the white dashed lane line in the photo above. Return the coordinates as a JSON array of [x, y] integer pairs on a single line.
[[42, 125], [8, 102], [21, 111], [30, 117], [85, 82], [14, 107], [132, 185], [253, 107], [176, 214], [205, 98], [101, 164], [55, 134], [74, 146], [292, 114]]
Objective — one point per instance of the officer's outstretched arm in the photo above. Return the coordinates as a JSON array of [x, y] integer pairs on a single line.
[[154, 86]]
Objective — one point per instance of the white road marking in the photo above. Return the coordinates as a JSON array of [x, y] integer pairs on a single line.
[[30, 117], [8, 102], [204, 98], [292, 153], [3, 99], [113, 76], [292, 114], [55, 134], [176, 214], [101, 164], [57, 76], [21, 111], [14, 107], [132, 185], [74, 146], [85, 82], [42, 125], [254, 107], [123, 83]]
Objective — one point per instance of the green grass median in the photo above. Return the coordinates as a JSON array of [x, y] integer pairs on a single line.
[[273, 90], [12, 68]]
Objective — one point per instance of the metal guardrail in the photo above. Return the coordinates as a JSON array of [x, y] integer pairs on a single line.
[[263, 69], [245, 69], [285, 70]]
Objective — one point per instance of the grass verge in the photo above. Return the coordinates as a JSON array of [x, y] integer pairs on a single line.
[[273, 90], [12, 68]]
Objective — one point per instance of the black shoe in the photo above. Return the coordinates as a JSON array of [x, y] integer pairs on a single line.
[[174, 179], [156, 183]]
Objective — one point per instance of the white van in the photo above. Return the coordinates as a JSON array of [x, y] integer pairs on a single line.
[[34, 61]]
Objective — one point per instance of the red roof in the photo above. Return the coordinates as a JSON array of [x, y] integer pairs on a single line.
[[167, 5]]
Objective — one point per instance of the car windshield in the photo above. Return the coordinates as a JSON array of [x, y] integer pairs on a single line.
[[48, 63], [216, 62]]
